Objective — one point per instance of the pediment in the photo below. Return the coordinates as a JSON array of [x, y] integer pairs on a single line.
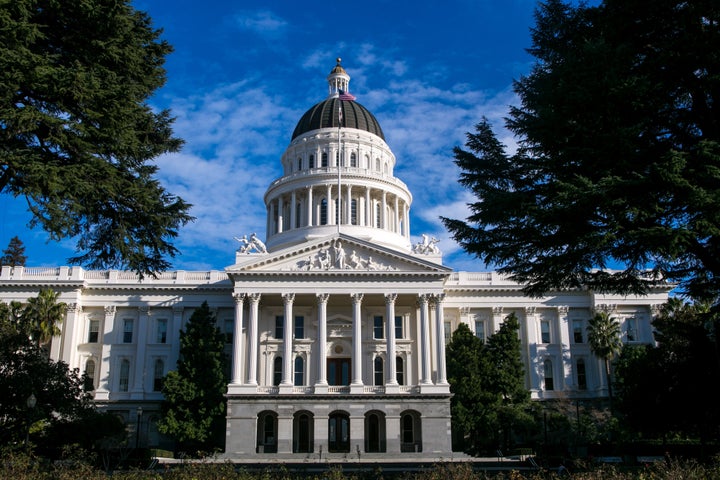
[[338, 254]]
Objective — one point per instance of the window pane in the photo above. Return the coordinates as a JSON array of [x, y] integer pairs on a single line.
[[578, 331], [93, 331], [299, 326], [161, 330], [277, 371], [545, 331], [279, 320], [480, 329], [299, 371], [399, 327], [128, 331], [378, 331], [378, 367]]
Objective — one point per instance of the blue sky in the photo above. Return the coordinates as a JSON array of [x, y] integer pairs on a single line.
[[244, 72]]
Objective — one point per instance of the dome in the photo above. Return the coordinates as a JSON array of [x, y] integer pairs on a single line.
[[325, 115]]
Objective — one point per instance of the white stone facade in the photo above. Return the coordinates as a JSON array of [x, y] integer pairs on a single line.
[[336, 329]]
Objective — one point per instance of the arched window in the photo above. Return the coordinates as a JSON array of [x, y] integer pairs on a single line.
[[324, 159], [410, 432], [377, 164], [323, 212], [549, 379], [400, 370], [379, 371], [581, 374], [124, 375], [267, 432], [367, 161], [353, 160], [159, 375], [311, 161], [407, 434], [90, 375], [299, 371], [277, 371]]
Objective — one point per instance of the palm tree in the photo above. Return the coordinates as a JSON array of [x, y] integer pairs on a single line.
[[604, 338], [45, 314]]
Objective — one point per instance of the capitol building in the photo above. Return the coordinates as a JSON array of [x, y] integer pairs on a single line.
[[335, 323]]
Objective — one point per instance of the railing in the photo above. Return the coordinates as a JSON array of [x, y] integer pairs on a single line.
[[337, 390], [108, 276]]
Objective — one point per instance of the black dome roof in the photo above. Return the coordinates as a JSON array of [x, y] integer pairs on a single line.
[[325, 115]]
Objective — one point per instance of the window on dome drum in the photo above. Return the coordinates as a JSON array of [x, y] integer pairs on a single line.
[[377, 214], [578, 331], [377, 164], [400, 371], [353, 212], [161, 334], [229, 330], [337, 212], [90, 375], [128, 330], [324, 160], [311, 161], [353, 160], [399, 327], [299, 371], [159, 375], [279, 320], [93, 331], [298, 215], [480, 330], [549, 378], [299, 164], [545, 331], [378, 330], [581, 374], [124, 375], [337, 159], [378, 370], [323, 212], [299, 326], [631, 329], [277, 371]]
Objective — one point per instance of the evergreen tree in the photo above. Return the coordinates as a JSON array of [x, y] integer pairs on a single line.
[[490, 401], [14, 254], [78, 136], [194, 405], [619, 159]]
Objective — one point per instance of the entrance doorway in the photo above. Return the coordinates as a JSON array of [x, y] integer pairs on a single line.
[[338, 371], [339, 432]]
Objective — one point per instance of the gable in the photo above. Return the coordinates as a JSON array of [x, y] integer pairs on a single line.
[[337, 254]]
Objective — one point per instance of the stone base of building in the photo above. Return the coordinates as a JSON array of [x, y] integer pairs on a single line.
[[338, 426]]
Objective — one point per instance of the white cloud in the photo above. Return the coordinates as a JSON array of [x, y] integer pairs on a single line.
[[262, 22]]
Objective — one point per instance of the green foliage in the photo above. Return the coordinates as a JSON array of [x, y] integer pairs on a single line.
[[672, 380], [490, 401], [25, 370], [77, 134], [619, 158], [14, 254], [194, 405], [604, 339], [45, 313]]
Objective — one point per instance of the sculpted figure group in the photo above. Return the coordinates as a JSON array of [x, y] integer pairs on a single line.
[[427, 246], [251, 245]]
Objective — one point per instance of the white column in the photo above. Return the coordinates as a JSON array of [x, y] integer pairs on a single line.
[[330, 210], [272, 226], [140, 346], [424, 338], [293, 210], [309, 207], [357, 338], [252, 336], [564, 328], [440, 328], [396, 227], [174, 335], [280, 215], [103, 391], [383, 214], [368, 208], [237, 366], [288, 299], [71, 330], [407, 220], [322, 299], [391, 378]]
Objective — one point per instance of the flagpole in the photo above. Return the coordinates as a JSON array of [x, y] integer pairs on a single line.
[[339, 162]]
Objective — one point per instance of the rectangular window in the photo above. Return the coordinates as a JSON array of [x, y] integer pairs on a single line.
[[631, 325], [161, 330], [299, 326], [158, 375], [448, 331], [124, 375], [578, 331], [378, 327], [545, 331], [399, 327], [353, 212], [229, 330], [480, 329], [279, 321], [93, 331], [378, 370], [128, 330], [581, 374]]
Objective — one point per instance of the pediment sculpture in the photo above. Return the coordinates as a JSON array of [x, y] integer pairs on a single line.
[[335, 257], [428, 245], [251, 245]]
